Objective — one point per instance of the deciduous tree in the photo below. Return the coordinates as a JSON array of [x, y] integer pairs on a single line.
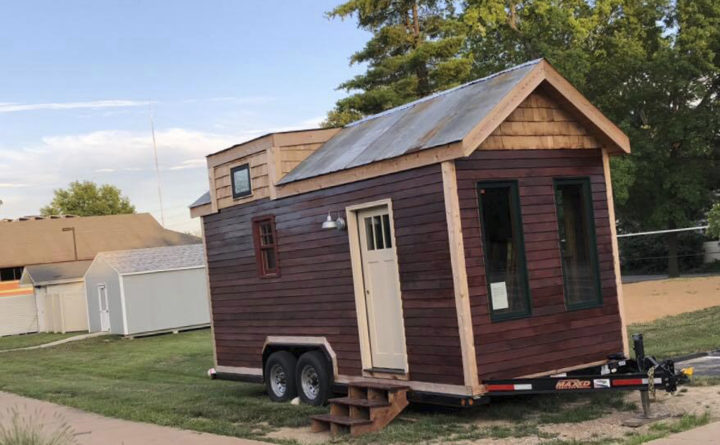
[[85, 198]]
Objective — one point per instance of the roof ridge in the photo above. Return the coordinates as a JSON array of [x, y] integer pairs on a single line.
[[442, 93], [137, 250]]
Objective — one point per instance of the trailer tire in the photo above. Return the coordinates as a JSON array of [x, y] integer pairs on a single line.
[[313, 378], [280, 376]]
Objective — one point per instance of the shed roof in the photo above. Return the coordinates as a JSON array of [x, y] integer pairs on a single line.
[[432, 121], [204, 199], [42, 241], [42, 274], [154, 259]]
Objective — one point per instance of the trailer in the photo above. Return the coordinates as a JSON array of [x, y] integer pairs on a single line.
[[455, 248]]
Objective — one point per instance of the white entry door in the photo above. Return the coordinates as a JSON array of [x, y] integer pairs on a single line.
[[104, 308], [382, 289]]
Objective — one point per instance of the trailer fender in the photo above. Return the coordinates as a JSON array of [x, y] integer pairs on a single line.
[[298, 346]]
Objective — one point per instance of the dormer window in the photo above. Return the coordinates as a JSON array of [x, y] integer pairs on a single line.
[[240, 177]]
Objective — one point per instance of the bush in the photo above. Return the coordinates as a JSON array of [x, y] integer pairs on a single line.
[[16, 430]]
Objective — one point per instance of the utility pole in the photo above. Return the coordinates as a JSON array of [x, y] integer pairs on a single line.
[[72, 229], [157, 167]]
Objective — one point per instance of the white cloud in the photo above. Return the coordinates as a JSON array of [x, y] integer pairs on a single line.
[[190, 163], [122, 158], [7, 107]]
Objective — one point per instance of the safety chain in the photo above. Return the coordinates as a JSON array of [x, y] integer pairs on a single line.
[[651, 381]]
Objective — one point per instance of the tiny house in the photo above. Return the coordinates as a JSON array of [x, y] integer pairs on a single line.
[[147, 291], [464, 237]]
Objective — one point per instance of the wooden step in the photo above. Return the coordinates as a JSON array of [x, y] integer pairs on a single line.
[[382, 386], [369, 406], [365, 403], [340, 420]]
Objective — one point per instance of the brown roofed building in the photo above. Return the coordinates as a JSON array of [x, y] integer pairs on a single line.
[[68, 240], [26, 241]]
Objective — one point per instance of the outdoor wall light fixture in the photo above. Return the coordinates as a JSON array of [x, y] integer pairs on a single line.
[[338, 224]]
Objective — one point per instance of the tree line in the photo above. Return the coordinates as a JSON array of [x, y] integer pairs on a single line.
[[652, 66]]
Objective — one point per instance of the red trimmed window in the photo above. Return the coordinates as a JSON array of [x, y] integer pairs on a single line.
[[266, 252]]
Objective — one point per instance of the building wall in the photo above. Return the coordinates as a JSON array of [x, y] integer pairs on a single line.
[[100, 273], [18, 315], [314, 295], [166, 300], [62, 307], [552, 337]]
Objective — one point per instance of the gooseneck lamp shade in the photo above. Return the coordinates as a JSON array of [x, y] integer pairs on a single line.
[[329, 223]]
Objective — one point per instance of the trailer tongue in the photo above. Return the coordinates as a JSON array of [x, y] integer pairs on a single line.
[[644, 373], [616, 375]]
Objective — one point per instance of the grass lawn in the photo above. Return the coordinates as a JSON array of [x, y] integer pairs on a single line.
[[680, 334], [163, 380], [23, 341]]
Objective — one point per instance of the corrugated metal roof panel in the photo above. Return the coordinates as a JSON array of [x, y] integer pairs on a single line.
[[436, 120], [204, 199]]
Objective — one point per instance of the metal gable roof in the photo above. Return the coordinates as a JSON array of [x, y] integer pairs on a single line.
[[155, 259], [433, 121], [204, 199]]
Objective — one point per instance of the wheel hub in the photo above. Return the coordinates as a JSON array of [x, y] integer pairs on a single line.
[[310, 382], [278, 380]]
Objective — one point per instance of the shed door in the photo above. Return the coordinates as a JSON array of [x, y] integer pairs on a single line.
[[382, 289], [104, 308]]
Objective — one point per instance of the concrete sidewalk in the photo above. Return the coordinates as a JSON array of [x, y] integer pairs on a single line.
[[93, 429], [708, 434], [58, 342]]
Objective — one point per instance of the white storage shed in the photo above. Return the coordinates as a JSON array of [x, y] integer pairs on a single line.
[[146, 291], [59, 295]]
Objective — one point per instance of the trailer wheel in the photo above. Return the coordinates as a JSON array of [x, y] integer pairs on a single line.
[[279, 376], [313, 378]]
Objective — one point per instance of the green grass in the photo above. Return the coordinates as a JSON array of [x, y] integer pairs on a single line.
[[163, 380], [681, 334], [663, 429], [158, 379], [23, 341]]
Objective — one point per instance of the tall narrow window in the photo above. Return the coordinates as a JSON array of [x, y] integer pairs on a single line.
[[240, 178], [505, 269], [576, 229], [266, 246]]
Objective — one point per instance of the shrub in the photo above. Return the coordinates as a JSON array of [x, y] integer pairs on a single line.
[[18, 430]]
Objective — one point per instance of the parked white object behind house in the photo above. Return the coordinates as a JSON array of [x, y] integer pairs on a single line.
[[144, 291]]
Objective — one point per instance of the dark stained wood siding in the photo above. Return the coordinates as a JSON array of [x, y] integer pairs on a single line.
[[314, 295], [552, 337]]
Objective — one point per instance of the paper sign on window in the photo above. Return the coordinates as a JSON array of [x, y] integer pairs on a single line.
[[498, 293]]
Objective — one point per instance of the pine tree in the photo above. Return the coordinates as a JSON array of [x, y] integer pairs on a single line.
[[414, 51]]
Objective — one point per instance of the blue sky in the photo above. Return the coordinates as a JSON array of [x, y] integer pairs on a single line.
[[78, 78]]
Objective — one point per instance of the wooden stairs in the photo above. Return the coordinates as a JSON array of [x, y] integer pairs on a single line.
[[368, 407]]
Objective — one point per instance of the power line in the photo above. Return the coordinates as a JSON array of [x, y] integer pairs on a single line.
[[656, 232]]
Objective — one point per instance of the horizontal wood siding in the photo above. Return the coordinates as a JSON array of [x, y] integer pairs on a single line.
[[552, 337], [314, 295]]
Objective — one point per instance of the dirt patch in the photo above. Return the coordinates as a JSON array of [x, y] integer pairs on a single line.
[[650, 300], [694, 400]]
